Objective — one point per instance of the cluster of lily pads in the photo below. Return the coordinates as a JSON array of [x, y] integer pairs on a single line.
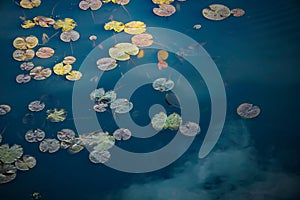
[[65, 68], [220, 12], [11, 160], [103, 99]]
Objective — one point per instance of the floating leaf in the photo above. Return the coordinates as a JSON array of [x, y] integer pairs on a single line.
[[97, 94], [25, 43], [162, 55], [92, 4], [36, 106], [162, 64], [164, 10], [23, 78], [114, 25], [44, 52], [27, 162], [122, 134], [28, 24], [69, 60], [40, 73], [135, 27], [142, 40], [56, 115], [162, 1], [26, 66], [100, 107], [123, 51], [30, 3], [197, 26], [4, 109], [74, 75], [23, 55], [42, 21], [66, 135], [68, 36], [7, 173], [121, 2], [35, 135], [248, 110], [237, 12], [158, 121], [173, 121], [189, 129], [106, 64], [121, 105], [10, 154], [99, 157], [49, 145], [163, 84], [216, 12], [61, 69], [66, 24]]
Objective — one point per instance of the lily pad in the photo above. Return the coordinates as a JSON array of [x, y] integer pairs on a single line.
[[23, 78], [97, 94], [25, 43], [68, 36], [114, 25], [27, 162], [122, 134], [106, 64], [248, 110], [61, 69], [189, 129], [121, 105], [162, 1], [100, 107], [28, 24], [56, 115], [216, 12], [99, 156], [42, 21], [92, 4], [163, 84], [69, 60], [35, 135], [44, 52], [142, 40], [135, 27], [66, 24], [29, 4], [158, 121], [26, 66], [162, 55], [173, 121], [23, 55], [123, 51], [10, 154], [74, 75], [49, 145], [66, 135], [4, 109], [40, 73], [237, 12], [164, 10], [7, 173], [36, 106]]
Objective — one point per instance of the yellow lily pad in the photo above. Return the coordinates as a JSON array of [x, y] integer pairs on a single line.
[[121, 2], [66, 24], [28, 24], [162, 1], [135, 27], [61, 69], [25, 43], [128, 48], [114, 25], [23, 55], [29, 4], [74, 75], [20, 43], [31, 41], [117, 54]]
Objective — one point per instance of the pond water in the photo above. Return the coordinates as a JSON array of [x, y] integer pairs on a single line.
[[256, 60]]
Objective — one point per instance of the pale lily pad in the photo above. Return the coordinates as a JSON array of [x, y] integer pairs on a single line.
[[92, 4], [100, 107], [35, 135], [142, 40], [99, 156], [45, 52], [10, 154], [216, 12], [97, 94], [122, 134], [40, 73], [158, 121], [23, 78], [4, 109], [36, 106], [163, 84], [74, 75], [135, 27], [66, 135], [164, 10], [27, 162], [106, 64], [42, 21], [69, 60], [49, 145], [248, 110], [114, 25], [26, 66], [23, 55], [7, 173], [68, 36], [237, 12], [121, 105], [189, 129]]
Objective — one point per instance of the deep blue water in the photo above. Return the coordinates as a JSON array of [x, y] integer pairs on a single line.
[[257, 56]]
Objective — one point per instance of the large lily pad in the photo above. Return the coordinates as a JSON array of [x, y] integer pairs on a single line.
[[121, 105], [106, 64], [142, 40], [123, 51], [49, 145], [36, 135], [216, 12], [163, 84], [40, 73], [164, 10], [66, 24], [135, 27], [66, 135], [10, 154], [23, 55], [27, 162], [29, 4], [74, 75], [45, 52], [99, 156], [68, 36], [158, 121], [114, 25], [7, 173]]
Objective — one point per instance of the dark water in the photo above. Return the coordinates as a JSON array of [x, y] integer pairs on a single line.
[[257, 56]]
